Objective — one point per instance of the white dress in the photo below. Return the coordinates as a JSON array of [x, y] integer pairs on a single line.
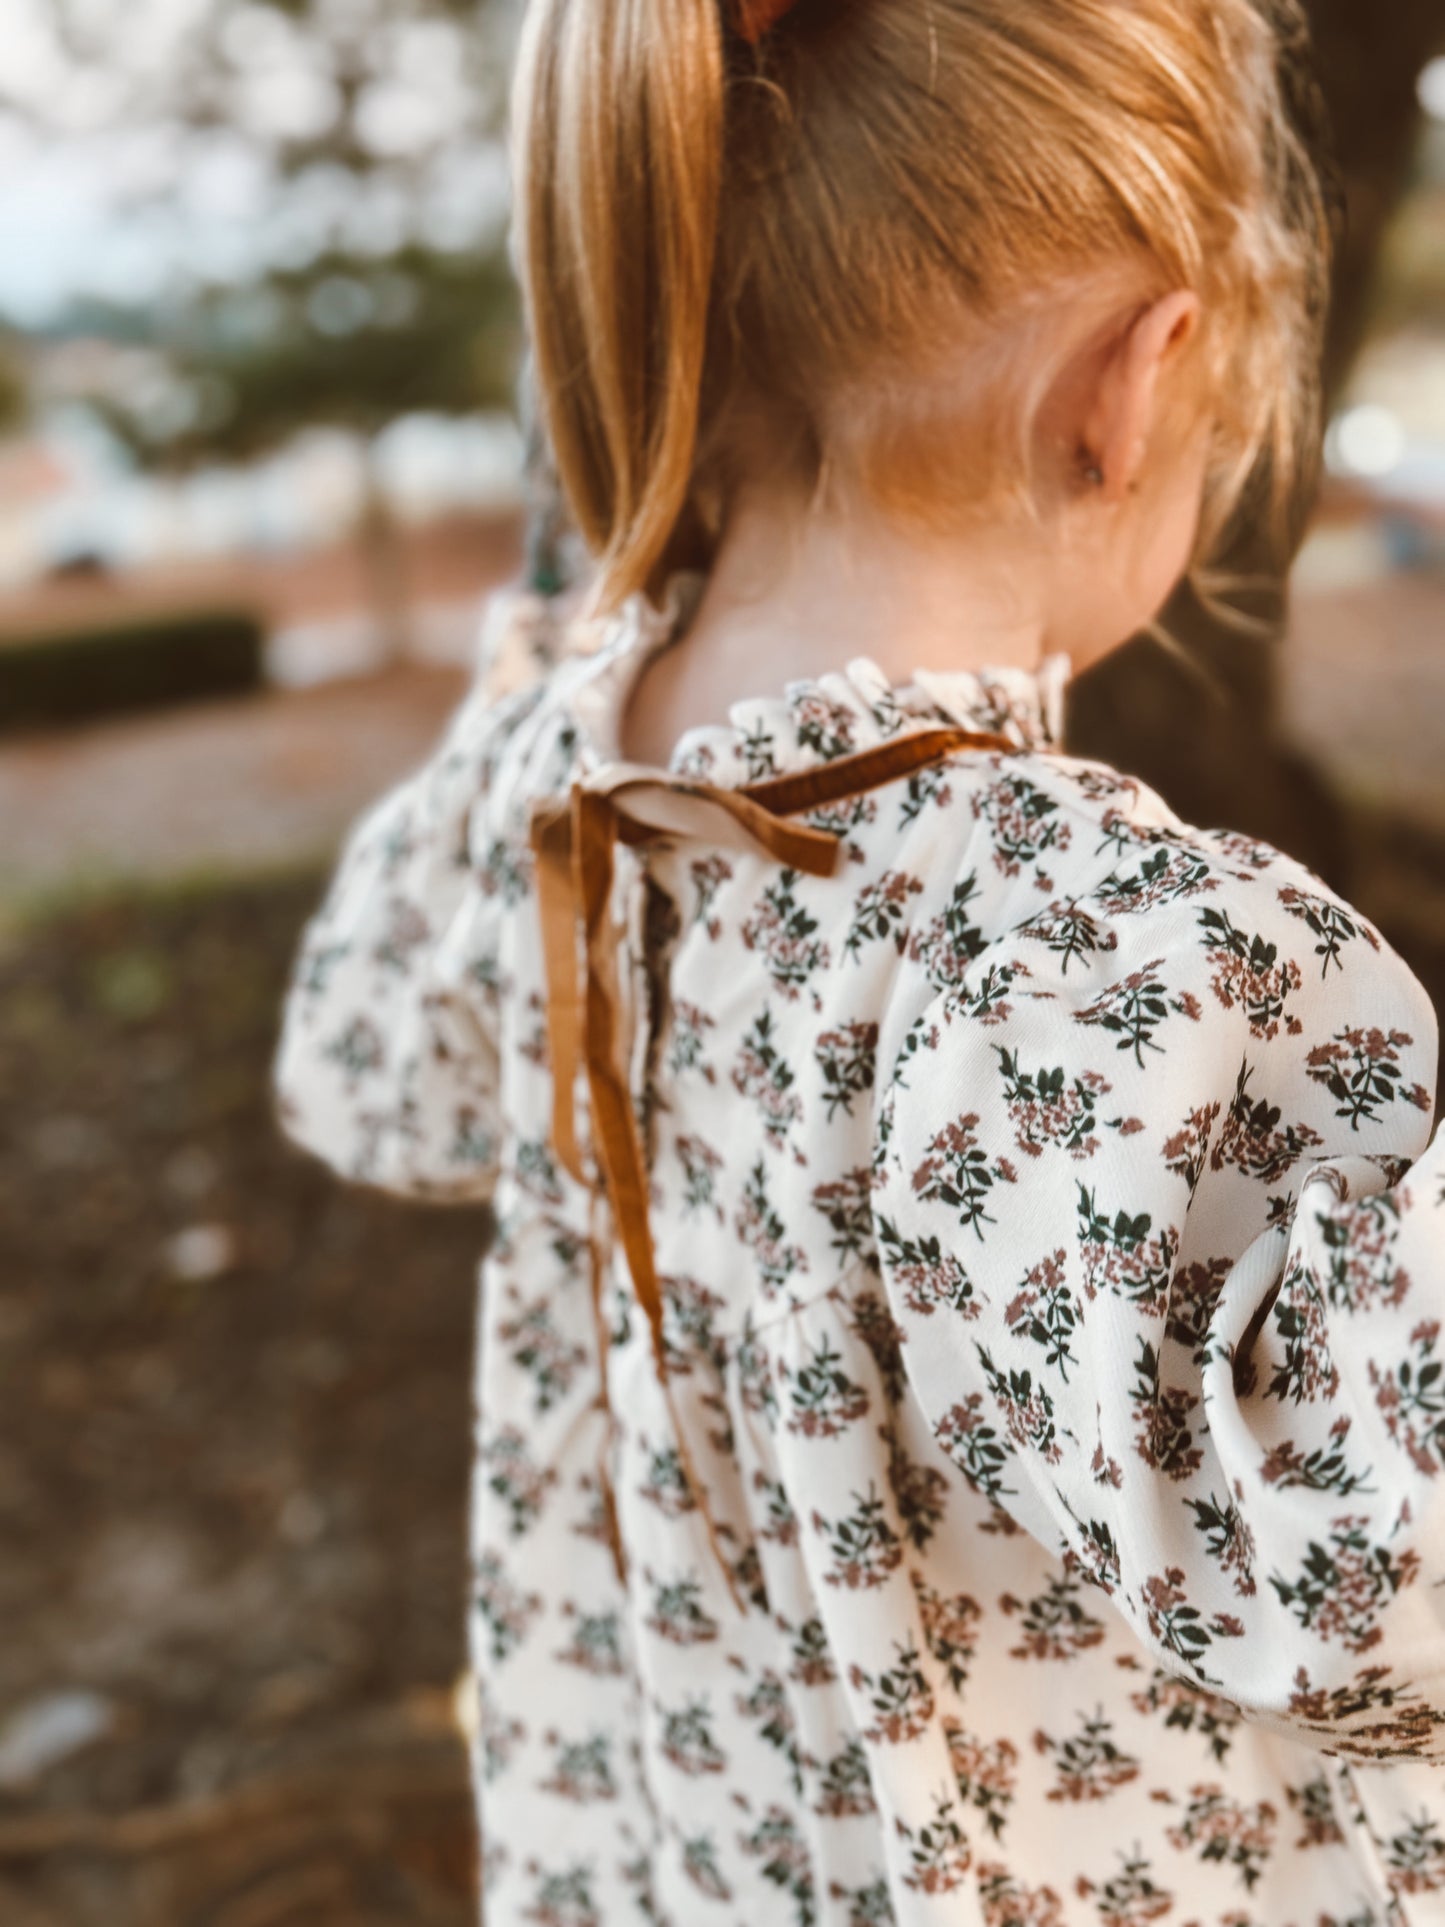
[[1053, 1250]]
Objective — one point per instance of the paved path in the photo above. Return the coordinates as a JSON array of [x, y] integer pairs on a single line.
[[271, 780]]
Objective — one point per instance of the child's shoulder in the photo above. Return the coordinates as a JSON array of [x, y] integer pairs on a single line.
[[1090, 933], [509, 732], [527, 636], [1108, 848], [1121, 828]]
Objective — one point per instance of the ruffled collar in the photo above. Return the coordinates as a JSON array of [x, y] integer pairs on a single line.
[[814, 718]]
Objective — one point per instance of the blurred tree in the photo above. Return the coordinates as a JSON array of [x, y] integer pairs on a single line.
[[354, 269], [1370, 60], [14, 387], [349, 342]]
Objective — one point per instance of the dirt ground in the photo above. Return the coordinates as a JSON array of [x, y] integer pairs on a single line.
[[233, 1450]]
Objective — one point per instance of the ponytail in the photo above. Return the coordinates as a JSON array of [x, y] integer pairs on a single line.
[[821, 271], [618, 119]]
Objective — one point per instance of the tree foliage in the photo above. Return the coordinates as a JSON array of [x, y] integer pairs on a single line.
[[366, 275]]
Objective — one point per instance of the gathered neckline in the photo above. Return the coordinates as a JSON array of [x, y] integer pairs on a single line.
[[811, 718]]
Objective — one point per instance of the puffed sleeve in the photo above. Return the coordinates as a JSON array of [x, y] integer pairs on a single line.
[[1162, 1220], [387, 1066]]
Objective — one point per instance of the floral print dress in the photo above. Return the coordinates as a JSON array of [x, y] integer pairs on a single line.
[[1053, 1251]]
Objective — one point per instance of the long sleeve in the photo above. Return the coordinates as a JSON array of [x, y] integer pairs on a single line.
[[1163, 1225], [387, 1066]]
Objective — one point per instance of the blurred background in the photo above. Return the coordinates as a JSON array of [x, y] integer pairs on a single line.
[[262, 462]]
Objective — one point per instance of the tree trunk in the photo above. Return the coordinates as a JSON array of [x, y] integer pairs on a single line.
[[384, 563]]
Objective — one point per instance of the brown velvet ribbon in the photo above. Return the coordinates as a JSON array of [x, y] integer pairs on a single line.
[[573, 839]]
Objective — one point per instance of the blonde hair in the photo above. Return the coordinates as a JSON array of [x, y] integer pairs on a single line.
[[804, 235]]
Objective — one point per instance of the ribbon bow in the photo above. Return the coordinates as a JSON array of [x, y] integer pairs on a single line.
[[572, 839]]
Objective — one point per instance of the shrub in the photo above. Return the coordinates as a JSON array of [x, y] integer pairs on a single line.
[[70, 675]]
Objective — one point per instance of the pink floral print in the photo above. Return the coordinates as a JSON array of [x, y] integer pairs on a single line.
[[1053, 1246]]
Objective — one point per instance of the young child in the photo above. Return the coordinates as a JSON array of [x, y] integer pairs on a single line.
[[960, 1420]]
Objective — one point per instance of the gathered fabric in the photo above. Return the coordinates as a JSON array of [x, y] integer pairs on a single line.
[[572, 840], [959, 1387]]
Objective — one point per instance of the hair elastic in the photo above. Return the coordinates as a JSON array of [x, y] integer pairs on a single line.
[[753, 18]]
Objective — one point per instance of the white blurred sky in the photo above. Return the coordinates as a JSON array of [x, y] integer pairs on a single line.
[[102, 192]]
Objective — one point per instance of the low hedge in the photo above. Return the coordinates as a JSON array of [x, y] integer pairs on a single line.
[[72, 675]]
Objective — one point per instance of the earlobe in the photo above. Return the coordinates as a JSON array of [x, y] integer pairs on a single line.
[[1121, 420]]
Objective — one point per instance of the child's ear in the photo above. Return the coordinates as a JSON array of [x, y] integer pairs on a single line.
[[1121, 414]]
